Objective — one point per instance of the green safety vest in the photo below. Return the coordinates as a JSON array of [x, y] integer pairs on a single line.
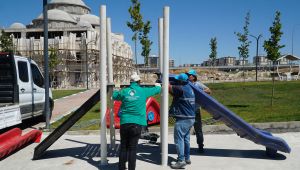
[[133, 98]]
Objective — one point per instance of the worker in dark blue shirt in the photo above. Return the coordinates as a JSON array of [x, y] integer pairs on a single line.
[[183, 110]]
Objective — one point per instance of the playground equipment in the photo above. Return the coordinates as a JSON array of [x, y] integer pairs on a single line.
[[66, 125], [291, 74], [152, 115], [13, 140], [242, 128]]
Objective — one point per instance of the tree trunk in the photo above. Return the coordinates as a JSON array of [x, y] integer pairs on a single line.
[[244, 70], [135, 54], [273, 83]]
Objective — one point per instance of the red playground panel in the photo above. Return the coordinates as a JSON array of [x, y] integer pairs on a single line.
[[13, 140], [152, 113]]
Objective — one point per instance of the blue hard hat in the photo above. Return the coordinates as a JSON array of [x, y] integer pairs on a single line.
[[192, 72], [182, 77]]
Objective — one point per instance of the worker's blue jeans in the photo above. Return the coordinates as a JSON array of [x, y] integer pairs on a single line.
[[182, 138]]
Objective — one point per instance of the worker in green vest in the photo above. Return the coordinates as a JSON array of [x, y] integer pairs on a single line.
[[132, 118]]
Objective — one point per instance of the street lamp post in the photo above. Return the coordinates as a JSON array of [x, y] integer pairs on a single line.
[[46, 63], [293, 31], [257, 39]]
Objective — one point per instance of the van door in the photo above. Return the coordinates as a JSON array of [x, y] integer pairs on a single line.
[[38, 89], [25, 88]]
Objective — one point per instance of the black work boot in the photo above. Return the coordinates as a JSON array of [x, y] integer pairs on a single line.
[[200, 149]]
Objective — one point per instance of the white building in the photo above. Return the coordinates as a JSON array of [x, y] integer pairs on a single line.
[[74, 38], [226, 61]]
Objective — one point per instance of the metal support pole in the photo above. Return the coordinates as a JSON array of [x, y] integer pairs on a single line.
[[46, 64], [110, 82], [109, 51], [86, 65], [160, 47], [160, 42], [103, 84], [165, 90]]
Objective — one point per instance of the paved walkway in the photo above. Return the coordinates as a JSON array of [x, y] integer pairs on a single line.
[[223, 152], [68, 104]]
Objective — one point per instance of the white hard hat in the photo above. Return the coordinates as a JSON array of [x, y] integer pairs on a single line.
[[135, 77]]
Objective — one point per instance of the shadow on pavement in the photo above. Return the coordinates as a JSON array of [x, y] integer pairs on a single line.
[[86, 153], [149, 153], [253, 154]]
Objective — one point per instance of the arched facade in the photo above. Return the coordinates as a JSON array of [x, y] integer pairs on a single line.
[[74, 38]]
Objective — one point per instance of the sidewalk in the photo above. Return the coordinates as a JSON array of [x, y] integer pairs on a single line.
[[223, 152], [64, 106]]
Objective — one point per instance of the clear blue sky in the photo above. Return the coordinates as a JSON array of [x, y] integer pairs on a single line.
[[192, 23]]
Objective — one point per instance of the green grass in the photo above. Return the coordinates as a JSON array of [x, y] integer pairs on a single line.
[[62, 93], [93, 114], [250, 100]]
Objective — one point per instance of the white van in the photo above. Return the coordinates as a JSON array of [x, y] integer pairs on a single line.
[[22, 91]]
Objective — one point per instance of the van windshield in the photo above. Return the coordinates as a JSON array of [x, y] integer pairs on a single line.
[[37, 76]]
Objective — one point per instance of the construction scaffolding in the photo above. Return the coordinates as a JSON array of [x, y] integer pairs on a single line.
[[76, 59]]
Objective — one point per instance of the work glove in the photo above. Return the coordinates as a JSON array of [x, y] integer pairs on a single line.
[[157, 84]]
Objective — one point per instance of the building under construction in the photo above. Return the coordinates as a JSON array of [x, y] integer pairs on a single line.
[[73, 45]]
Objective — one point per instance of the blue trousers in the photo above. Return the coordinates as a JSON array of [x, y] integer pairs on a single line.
[[182, 138]]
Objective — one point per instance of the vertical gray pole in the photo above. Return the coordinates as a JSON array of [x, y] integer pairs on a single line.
[[160, 42], [165, 91], [110, 82], [86, 63], [46, 64], [109, 51], [160, 47], [103, 83]]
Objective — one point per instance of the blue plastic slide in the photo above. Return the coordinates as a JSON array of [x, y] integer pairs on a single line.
[[242, 128]]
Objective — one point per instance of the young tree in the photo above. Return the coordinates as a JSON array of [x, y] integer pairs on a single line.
[[146, 43], [53, 62], [136, 24], [6, 42], [272, 46], [213, 53], [245, 43]]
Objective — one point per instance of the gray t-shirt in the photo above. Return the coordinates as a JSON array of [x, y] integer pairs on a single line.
[[202, 87]]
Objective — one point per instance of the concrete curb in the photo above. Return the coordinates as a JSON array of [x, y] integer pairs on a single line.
[[274, 127], [69, 95]]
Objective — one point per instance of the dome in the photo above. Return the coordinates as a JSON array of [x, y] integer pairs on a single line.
[[71, 2], [84, 24], [93, 19], [17, 25], [58, 15]]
